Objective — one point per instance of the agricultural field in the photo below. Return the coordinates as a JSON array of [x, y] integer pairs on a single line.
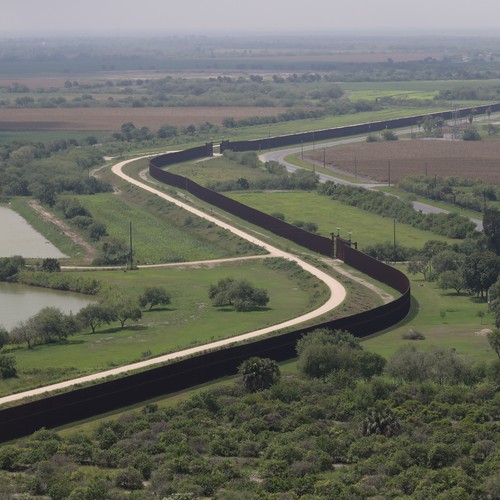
[[111, 119], [432, 157], [406, 90]]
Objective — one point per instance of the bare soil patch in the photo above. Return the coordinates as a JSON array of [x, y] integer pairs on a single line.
[[111, 119], [471, 159]]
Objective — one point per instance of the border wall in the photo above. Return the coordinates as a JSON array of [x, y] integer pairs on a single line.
[[102, 397], [350, 130]]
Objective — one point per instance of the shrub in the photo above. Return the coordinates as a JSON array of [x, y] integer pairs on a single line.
[[7, 366], [240, 294], [413, 334], [259, 373]]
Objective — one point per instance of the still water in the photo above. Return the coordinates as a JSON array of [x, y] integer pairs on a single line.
[[17, 237], [20, 302]]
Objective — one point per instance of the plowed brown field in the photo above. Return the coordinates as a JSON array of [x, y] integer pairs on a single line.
[[111, 119], [472, 159]]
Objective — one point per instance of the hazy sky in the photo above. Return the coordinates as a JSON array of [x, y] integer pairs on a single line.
[[119, 17]]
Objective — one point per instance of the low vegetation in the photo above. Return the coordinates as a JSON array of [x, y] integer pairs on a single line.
[[423, 427]]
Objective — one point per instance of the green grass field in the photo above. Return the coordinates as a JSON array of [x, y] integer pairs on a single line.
[[367, 229], [161, 231], [456, 330], [189, 320], [218, 168]]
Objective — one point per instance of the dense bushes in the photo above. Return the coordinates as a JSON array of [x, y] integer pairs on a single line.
[[340, 436], [449, 225], [78, 215], [59, 281], [45, 170], [463, 192], [10, 266]]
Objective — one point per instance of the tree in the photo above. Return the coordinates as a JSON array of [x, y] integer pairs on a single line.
[[452, 279], [442, 366], [154, 296], [124, 308], [7, 366], [323, 336], [419, 264], [408, 364], [128, 130], [259, 373], [45, 192], [471, 134], [370, 364], [494, 301], [324, 351], [113, 252], [51, 323], [494, 340], [50, 265], [166, 131], [389, 135], [240, 294], [97, 230], [381, 421], [447, 260], [481, 271], [10, 266], [4, 336], [25, 331], [95, 315], [129, 479], [491, 225]]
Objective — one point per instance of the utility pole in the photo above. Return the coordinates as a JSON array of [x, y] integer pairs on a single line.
[[389, 172], [130, 246], [394, 247]]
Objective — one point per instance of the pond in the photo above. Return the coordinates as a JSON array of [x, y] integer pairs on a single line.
[[20, 302], [19, 238]]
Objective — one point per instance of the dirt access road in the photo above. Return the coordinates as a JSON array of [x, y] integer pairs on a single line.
[[337, 296]]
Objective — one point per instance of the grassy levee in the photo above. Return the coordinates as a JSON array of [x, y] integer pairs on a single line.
[[161, 232]]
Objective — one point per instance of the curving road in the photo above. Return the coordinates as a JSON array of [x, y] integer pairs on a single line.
[[337, 296]]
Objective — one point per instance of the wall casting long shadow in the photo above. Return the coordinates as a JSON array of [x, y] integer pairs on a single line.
[[60, 409]]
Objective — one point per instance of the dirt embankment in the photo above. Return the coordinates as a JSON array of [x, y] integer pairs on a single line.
[[90, 251]]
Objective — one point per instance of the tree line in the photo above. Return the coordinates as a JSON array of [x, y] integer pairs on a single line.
[[449, 225], [462, 192]]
